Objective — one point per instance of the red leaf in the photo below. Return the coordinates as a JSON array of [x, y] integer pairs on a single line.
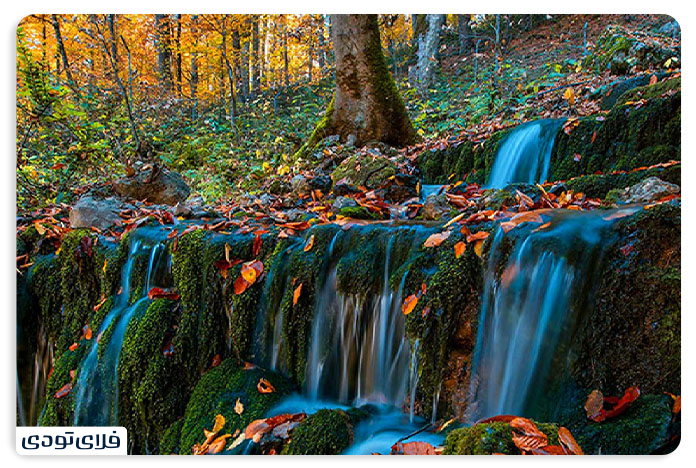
[[64, 390], [159, 293], [258, 242]]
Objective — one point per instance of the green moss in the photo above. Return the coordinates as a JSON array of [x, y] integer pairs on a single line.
[[359, 212], [169, 442], [44, 285], [601, 185], [59, 411], [486, 439], [364, 170], [218, 391], [326, 432], [151, 394], [629, 137], [632, 335], [321, 131]]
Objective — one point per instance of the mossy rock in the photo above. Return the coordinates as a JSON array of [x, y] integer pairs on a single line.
[[59, 411], [490, 438], [326, 432], [601, 185], [632, 336], [169, 442], [218, 391], [364, 170], [359, 212]]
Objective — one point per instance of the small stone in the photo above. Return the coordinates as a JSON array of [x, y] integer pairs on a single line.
[[164, 188], [343, 202], [299, 185], [648, 190], [435, 206], [321, 182], [344, 188]]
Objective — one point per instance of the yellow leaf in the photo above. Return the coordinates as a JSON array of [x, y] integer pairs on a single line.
[[227, 252], [436, 239], [219, 422], [238, 407], [40, 228], [478, 248], [569, 96]]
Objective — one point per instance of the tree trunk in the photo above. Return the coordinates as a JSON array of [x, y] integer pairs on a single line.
[[286, 67], [464, 29], [322, 44], [428, 44], [254, 69], [63, 54], [178, 55], [111, 19], [194, 67], [366, 105], [163, 51]]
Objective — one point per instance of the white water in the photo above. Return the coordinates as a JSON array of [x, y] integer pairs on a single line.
[[525, 154], [96, 385], [528, 310]]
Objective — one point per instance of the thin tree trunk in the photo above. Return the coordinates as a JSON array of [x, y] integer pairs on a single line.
[[464, 30], [254, 69], [428, 45], [286, 68], [63, 54], [162, 34], [111, 20], [194, 67], [178, 55]]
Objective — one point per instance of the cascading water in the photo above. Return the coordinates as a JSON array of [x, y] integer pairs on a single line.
[[532, 306], [96, 387], [525, 154]]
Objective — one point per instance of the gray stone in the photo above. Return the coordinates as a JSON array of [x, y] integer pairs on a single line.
[[89, 211], [343, 202], [435, 206], [299, 184], [164, 188], [648, 190]]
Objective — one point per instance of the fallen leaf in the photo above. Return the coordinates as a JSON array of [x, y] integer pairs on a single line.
[[436, 239], [73, 346], [594, 406], [570, 446], [240, 285], [296, 294], [64, 390], [159, 293], [238, 407], [481, 235], [216, 361], [219, 423], [218, 445], [527, 435], [676, 408], [309, 244], [256, 248], [413, 448], [569, 95], [478, 249], [409, 304], [459, 249], [264, 386]]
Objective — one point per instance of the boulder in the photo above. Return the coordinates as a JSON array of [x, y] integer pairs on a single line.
[[646, 191], [164, 187], [300, 186], [91, 211], [321, 182]]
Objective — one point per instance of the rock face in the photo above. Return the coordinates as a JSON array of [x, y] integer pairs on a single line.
[[165, 188], [90, 211], [648, 190]]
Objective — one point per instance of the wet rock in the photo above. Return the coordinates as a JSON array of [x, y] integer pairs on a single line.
[[400, 193], [343, 202], [163, 187], [91, 211], [435, 206], [299, 185], [671, 28], [321, 182], [343, 188], [648, 190], [368, 170], [279, 187]]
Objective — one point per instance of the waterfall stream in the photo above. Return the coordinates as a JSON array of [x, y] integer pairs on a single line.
[[96, 384], [525, 154], [531, 306]]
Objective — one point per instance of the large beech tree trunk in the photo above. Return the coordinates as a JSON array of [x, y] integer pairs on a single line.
[[366, 105]]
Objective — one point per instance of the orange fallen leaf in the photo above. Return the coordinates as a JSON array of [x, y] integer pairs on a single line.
[[88, 333], [594, 406], [240, 285], [413, 448], [436, 239], [478, 248], [409, 304], [218, 445], [219, 423], [296, 294], [527, 435], [481, 235], [570, 446], [159, 293], [264, 386], [74, 346], [677, 405], [238, 406], [459, 249]]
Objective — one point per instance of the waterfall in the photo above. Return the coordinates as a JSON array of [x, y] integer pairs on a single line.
[[359, 350], [96, 385], [532, 306], [525, 154]]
